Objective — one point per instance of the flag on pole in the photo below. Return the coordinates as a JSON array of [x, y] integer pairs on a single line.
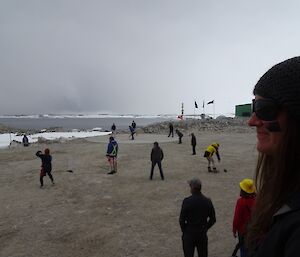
[[196, 105], [211, 102]]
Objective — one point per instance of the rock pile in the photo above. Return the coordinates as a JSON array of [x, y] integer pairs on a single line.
[[6, 129], [221, 124]]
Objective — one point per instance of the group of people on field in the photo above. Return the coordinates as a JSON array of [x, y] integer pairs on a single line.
[[209, 151], [267, 214]]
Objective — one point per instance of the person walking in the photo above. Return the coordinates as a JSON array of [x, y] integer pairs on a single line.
[[111, 154], [132, 132], [180, 135], [171, 129], [157, 155], [193, 143], [133, 124], [113, 129], [197, 216], [243, 212], [274, 229], [208, 154], [25, 141], [46, 167]]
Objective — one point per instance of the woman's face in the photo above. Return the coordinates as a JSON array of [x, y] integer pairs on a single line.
[[269, 133]]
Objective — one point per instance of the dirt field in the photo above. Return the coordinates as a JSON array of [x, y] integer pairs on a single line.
[[89, 213]]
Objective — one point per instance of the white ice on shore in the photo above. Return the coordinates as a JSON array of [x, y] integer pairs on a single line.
[[6, 138]]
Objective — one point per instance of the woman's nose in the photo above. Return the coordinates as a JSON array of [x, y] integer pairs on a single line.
[[253, 120]]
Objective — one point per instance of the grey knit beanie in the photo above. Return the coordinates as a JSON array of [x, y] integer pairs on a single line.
[[282, 84]]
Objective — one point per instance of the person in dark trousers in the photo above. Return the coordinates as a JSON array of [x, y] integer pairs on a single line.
[[243, 211], [274, 228], [193, 143], [197, 216], [113, 128], [111, 154], [133, 124], [171, 129], [132, 132], [156, 157], [180, 135], [25, 141], [46, 167]]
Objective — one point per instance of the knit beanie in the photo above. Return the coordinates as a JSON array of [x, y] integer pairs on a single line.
[[282, 84]]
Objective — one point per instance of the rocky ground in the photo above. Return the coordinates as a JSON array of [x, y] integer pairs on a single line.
[[221, 124]]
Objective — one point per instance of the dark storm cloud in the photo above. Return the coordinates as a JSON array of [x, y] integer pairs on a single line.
[[137, 56]]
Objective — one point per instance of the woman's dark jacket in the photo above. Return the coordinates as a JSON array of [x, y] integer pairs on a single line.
[[283, 238]]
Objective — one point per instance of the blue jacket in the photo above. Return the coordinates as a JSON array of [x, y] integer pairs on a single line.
[[112, 149]]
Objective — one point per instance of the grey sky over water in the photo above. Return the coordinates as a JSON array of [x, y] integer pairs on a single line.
[[138, 56]]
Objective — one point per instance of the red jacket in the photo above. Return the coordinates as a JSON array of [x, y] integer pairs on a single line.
[[242, 214]]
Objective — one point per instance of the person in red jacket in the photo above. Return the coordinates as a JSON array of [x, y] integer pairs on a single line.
[[243, 211]]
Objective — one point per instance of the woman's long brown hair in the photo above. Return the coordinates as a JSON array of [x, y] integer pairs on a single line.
[[277, 178]]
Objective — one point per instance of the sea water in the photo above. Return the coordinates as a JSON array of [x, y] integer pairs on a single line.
[[80, 123]]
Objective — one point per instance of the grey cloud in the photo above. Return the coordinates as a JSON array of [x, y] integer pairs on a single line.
[[138, 56]]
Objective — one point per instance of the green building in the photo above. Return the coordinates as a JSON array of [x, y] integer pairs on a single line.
[[243, 110]]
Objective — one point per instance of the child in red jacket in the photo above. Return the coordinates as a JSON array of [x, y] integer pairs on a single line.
[[243, 211]]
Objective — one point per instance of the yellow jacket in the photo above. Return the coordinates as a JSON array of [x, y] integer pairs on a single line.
[[213, 148]]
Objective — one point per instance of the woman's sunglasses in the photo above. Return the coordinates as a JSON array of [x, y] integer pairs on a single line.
[[265, 109]]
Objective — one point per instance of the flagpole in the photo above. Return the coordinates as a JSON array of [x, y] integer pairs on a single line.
[[214, 111], [182, 110]]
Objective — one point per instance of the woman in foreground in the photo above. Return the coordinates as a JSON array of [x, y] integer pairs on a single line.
[[275, 226]]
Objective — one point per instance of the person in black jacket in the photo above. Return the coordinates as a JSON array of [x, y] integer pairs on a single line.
[[274, 229], [133, 124], [197, 216], [156, 157], [193, 143], [25, 141], [46, 167], [113, 128], [171, 129], [180, 135]]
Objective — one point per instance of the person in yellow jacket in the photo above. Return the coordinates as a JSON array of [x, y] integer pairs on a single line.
[[208, 154]]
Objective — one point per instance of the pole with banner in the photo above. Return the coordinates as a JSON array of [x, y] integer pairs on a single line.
[[212, 102]]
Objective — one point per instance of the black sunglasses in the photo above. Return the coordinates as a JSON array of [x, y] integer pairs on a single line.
[[265, 109]]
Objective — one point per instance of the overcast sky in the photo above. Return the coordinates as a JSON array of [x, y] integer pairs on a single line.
[[139, 56]]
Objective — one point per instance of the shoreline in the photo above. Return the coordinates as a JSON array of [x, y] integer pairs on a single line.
[[218, 124]]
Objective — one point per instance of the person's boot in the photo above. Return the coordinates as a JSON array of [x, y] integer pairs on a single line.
[[209, 169], [111, 172], [215, 170]]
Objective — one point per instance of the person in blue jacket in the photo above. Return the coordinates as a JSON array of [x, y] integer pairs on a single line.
[[132, 132], [111, 154]]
